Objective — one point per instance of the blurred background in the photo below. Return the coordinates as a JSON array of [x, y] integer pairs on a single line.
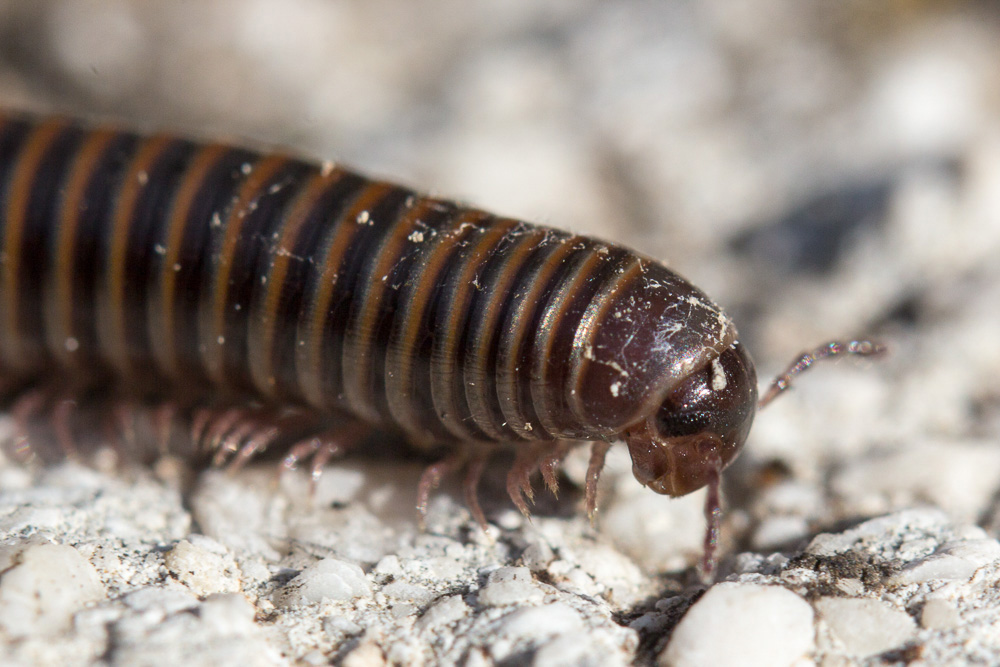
[[821, 169]]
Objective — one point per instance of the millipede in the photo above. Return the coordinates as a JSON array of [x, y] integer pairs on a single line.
[[262, 298]]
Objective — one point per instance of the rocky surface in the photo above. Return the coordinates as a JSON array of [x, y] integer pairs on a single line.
[[821, 170]]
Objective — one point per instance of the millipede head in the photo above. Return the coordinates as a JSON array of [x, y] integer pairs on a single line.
[[699, 428]]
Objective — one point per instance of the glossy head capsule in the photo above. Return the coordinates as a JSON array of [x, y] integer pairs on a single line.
[[699, 428]]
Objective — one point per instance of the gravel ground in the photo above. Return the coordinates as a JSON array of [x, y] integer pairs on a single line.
[[821, 169]]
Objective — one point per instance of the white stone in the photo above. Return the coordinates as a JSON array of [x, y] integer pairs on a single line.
[[866, 627], [510, 585], [402, 591], [327, 580], [957, 560], [201, 570], [544, 620], [760, 626], [49, 583], [939, 614], [443, 612], [880, 529], [227, 614], [585, 649]]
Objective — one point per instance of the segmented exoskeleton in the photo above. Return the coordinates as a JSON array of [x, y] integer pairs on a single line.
[[195, 270]]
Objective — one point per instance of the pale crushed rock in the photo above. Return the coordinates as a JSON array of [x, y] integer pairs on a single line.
[[861, 628], [44, 586], [510, 585], [956, 560], [217, 631], [939, 614], [443, 613], [203, 566], [763, 626], [328, 580]]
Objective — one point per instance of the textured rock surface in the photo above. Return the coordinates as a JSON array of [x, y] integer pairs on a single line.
[[821, 169]]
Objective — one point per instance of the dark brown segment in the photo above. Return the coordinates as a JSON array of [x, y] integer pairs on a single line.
[[331, 283], [460, 289], [485, 317], [243, 261], [276, 304], [152, 163], [87, 203], [204, 228], [568, 313], [39, 239], [161, 315], [651, 331], [411, 337], [13, 134], [538, 278], [374, 224], [376, 300]]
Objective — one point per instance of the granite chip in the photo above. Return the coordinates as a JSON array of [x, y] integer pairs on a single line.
[[764, 626], [865, 627], [326, 580], [47, 585], [510, 585]]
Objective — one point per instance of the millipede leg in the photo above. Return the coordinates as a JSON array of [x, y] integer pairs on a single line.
[[713, 517], [199, 423], [470, 487], [163, 420], [256, 443], [26, 408], [597, 455], [519, 478], [219, 427], [61, 416], [231, 443], [123, 416], [430, 479], [549, 465], [299, 451]]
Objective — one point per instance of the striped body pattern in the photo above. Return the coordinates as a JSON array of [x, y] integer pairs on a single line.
[[205, 268]]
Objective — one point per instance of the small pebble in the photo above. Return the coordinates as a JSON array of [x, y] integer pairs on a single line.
[[763, 626], [327, 580], [388, 567], [528, 626], [338, 627], [544, 620], [957, 560], [202, 570], [49, 583], [881, 529], [510, 585], [402, 591], [444, 612], [865, 627], [939, 614], [536, 556], [162, 600], [227, 614], [579, 650]]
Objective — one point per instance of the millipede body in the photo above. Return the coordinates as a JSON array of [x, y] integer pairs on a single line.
[[204, 270]]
